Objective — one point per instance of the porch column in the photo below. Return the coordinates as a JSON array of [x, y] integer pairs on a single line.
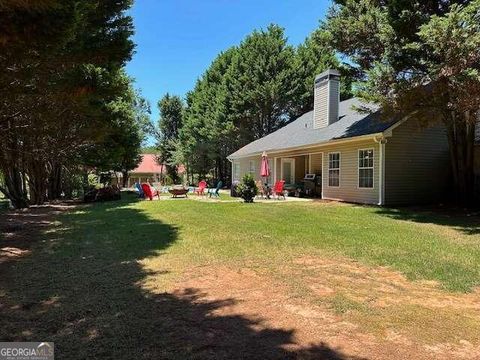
[[274, 170]]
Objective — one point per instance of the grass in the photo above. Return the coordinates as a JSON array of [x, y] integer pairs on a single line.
[[100, 274], [265, 232]]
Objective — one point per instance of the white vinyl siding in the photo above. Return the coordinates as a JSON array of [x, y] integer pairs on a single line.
[[365, 168], [334, 169]]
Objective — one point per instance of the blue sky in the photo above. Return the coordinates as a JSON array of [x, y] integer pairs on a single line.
[[177, 39]]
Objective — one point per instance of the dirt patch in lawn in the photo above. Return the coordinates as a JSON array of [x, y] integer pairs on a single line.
[[95, 301], [352, 309], [21, 229]]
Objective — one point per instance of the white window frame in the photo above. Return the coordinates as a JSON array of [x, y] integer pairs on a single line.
[[252, 167], [292, 162], [334, 169], [236, 171], [366, 168]]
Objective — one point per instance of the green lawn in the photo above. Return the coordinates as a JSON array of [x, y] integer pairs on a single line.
[[100, 275], [420, 245]]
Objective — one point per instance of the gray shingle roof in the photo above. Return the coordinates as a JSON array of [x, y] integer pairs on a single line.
[[300, 132]]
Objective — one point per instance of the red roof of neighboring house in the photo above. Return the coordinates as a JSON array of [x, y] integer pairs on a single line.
[[149, 164]]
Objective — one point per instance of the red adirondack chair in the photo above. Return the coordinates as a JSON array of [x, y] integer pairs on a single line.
[[278, 189], [149, 191], [201, 187]]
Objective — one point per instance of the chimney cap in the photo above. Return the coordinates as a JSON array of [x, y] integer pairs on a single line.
[[327, 75]]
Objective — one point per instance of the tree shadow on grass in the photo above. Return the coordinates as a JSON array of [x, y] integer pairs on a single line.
[[466, 222], [80, 287]]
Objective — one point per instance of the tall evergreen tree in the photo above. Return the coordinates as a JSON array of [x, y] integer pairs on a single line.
[[263, 83], [61, 61], [170, 122], [313, 56], [247, 92], [208, 134]]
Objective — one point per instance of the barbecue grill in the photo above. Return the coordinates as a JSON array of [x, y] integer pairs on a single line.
[[312, 185]]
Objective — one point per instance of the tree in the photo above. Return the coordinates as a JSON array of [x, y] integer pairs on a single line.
[[314, 56], [170, 122], [249, 91], [419, 59], [208, 134], [127, 120], [263, 83], [61, 60], [131, 127]]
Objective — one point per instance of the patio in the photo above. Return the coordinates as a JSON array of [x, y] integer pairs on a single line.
[[292, 167]]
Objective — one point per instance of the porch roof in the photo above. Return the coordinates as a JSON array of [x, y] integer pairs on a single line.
[[300, 132]]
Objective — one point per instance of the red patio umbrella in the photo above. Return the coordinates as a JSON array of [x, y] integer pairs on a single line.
[[265, 169]]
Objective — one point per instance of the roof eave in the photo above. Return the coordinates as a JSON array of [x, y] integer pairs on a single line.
[[319, 144]]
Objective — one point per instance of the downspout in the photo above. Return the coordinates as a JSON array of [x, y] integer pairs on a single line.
[[231, 172], [381, 189]]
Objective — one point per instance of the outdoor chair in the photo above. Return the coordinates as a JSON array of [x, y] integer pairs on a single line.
[[149, 191], [201, 188], [140, 190], [261, 189], [278, 190], [215, 192]]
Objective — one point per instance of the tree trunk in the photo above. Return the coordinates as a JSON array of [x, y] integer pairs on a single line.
[[124, 179], [37, 182], [15, 189], [461, 139], [55, 181]]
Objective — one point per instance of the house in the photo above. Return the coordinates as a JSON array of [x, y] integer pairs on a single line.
[[357, 156], [149, 170]]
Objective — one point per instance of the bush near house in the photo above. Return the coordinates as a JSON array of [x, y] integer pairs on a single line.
[[247, 189]]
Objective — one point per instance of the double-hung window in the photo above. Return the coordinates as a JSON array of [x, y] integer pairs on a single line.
[[251, 165], [236, 170], [365, 168], [334, 169]]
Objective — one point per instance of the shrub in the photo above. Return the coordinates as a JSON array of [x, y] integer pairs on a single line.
[[247, 189], [107, 193]]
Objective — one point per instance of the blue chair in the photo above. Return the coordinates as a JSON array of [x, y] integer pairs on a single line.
[[215, 192], [140, 190]]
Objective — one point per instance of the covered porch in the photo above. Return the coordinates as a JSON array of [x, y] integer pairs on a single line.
[[292, 167]]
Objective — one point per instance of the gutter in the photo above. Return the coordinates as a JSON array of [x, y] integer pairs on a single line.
[[321, 144]]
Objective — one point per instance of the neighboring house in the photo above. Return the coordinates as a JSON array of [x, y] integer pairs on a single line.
[[359, 157], [149, 170]]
